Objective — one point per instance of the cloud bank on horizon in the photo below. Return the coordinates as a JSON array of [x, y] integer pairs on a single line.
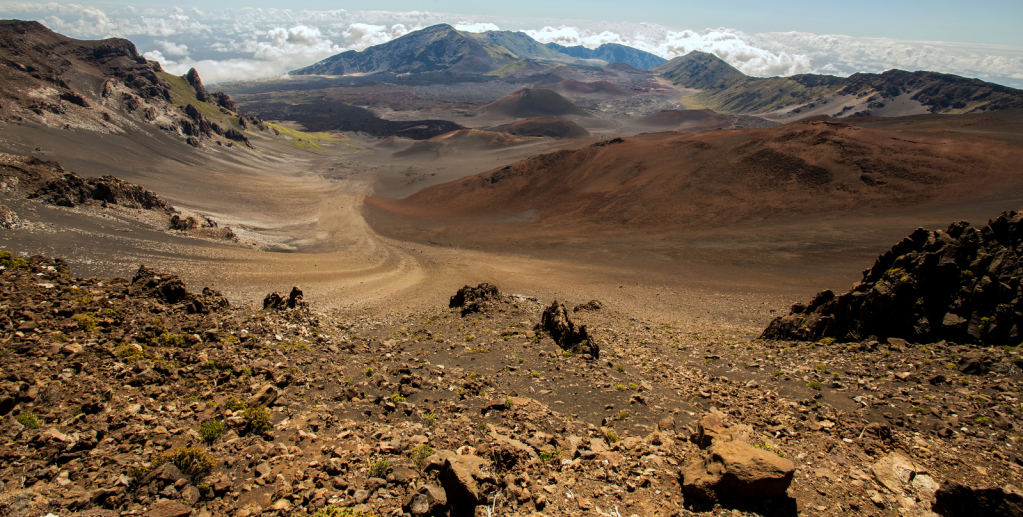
[[252, 43]]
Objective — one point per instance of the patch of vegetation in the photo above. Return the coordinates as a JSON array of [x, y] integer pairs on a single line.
[[768, 447], [397, 397], [233, 404], [132, 352], [611, 437], [9, 261], [827, 341], [815, 385], [547, 456], [378, 469], [211, 430], [335, 511], [191, 461], [508, 403], [633, 386], [420, 453], [430, 418], [478, 351], [619, 386], [623, 414], [982, 420], [257, 420], [620, 367], [482, 426], [29, 420], [86, 322]]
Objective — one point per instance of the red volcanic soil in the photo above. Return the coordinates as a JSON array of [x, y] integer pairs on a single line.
[[672, 181], [554, 127], [528, 103], [604, 88], [691, 120]]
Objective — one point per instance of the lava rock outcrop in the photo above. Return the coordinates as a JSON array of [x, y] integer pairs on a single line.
[[961, 285], [569, 336]]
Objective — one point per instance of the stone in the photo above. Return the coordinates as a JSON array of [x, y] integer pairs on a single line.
[[459, 478], [894, 472], [734, 470], [555, 322], [956, 500], [168, 508], [191, 495], [265, 397], [427, 500]]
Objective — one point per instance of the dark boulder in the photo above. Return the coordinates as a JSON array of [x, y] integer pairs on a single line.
[[956, 500], [474, 299], [556, 323], [150, 284], [276, 301], [200, 91]]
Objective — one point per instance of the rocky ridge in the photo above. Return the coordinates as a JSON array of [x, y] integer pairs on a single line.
[[960, 285]]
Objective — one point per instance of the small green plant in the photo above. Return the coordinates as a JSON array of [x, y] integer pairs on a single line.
[[521, 360], [927, 362], [821, 368], [623, 414], [951, 366], [964, 381], [815, 385], [887, 353], [378, 469], [397, 397], [368, 371], [534, 374], [566, 353], [509, 403], [619, 386], [86, 322], [620, 367], [611, 437], [28, 419], [191, 461], [233, 404], [257, 420], [430, 418], [131, 352], [470, 338], [420, 453], [482, 426], [768, 447], [83, 300], [917, 409], [633, 386], [778, 373], [211, 430], [336, 511], [827, 341], [547, 456], [982, 420], [8, 260]]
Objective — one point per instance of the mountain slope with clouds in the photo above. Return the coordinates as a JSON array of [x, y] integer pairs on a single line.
[[249, 43]]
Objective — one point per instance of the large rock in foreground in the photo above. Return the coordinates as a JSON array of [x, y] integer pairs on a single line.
[[565, 332], [735, 470], [960, 285]]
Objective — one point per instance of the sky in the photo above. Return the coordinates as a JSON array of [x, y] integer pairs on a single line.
[[255, 39]]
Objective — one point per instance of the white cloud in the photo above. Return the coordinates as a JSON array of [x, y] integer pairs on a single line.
[[476, 27], [359, 36], [173, 49]]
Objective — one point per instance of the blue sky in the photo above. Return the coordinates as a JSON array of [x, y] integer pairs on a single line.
[[264, 38], [994, 22]]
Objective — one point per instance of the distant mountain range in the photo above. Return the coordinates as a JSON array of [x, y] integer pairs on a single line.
[[443, 48], [891, 93]]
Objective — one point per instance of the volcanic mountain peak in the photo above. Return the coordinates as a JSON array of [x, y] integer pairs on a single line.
[[700, 70]]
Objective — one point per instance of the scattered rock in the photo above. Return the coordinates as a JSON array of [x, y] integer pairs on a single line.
[[733, 470]]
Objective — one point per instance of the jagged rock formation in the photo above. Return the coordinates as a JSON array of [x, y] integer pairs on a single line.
[[960, 285], [276, 301], [474, 299], [9, 219], [50, 183], [196, 83], [565, 332]]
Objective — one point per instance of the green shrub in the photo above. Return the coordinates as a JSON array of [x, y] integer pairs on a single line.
[[397, 397], [420, 453], [191, 461], [86, 322], [430, 418], [334, 511], [132, 352], [815, 385], [619, 386], [8, 260], [211, 431], [620, 367], [233, 404], [257, 420], [547, 457], [29, 420], [623, 414], [611, 437], [378, 469]]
